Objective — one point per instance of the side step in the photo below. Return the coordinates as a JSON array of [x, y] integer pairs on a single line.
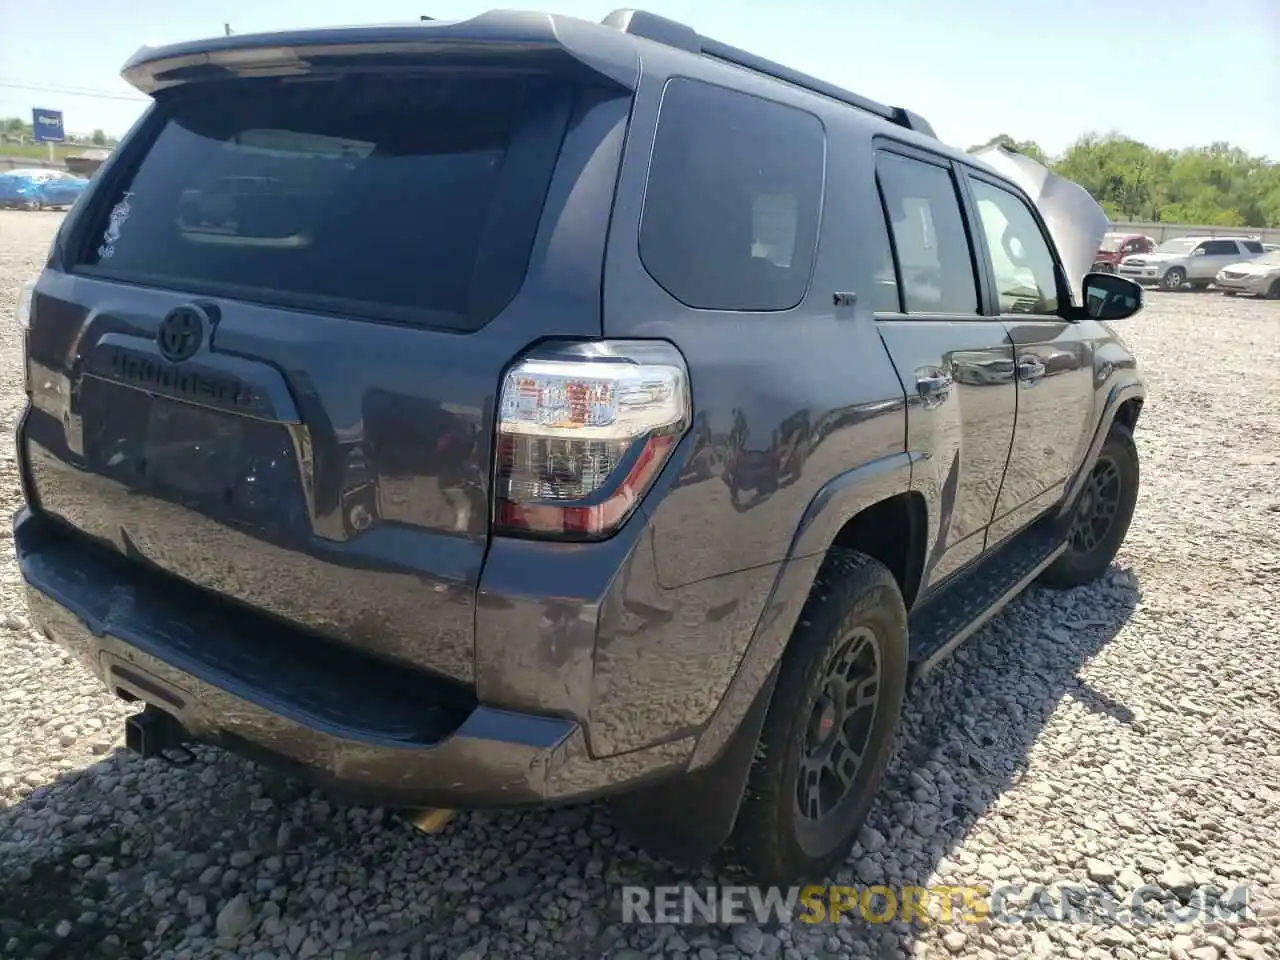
[[977, 594]]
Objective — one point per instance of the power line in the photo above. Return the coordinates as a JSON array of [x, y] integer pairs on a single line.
[[73, 91]]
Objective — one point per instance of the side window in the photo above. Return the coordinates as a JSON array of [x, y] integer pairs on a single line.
[[1026, 280], [730, 219], [1221, 248], [885, 296], [929, 239], [1253, 246]]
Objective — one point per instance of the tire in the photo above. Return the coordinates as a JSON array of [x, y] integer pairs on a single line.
[[1094, 539], [854, 617], [34, 206], [1273, 292], [1173, 279]]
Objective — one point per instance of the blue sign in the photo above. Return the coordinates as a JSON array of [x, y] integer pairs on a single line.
[[46, 126]]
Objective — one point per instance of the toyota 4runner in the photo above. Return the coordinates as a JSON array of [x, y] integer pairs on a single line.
[[569, 410]]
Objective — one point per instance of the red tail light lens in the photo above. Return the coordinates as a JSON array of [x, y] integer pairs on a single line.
[[583, 431]]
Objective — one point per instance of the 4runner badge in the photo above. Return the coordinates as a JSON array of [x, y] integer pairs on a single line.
[[181, 333]]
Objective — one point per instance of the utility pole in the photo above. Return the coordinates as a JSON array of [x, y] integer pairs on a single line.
[[227, 28]]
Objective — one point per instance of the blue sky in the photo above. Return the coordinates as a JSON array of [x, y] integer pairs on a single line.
[[1172, 73]]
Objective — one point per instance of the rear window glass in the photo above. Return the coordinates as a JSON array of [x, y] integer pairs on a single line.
[[730, 217], [363, 195]]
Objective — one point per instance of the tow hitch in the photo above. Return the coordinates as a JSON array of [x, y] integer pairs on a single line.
[[154, 733]]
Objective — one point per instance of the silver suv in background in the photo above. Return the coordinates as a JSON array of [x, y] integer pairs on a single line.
[[1188, 260], [1259, 276]]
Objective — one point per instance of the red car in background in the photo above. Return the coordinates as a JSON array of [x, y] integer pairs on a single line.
[[1116, 246]]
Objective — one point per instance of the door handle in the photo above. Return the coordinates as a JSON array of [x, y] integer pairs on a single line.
[[933, 383], [934, 387], [1029, 368]]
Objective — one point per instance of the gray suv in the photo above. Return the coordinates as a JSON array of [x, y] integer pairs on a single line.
[[571, 410], [1193, 261]]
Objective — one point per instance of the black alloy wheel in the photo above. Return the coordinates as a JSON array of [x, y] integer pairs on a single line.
[[839, 727], [1099, 506], [1100, 518]]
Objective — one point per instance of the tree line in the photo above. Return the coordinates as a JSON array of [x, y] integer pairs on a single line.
[[1219, 185], [19, 129]]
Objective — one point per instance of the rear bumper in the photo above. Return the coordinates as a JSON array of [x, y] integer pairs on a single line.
[[383, 735]]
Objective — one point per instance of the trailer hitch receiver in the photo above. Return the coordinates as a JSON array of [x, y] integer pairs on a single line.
[[154, 733]]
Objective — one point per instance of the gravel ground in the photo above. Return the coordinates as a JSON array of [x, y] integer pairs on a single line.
[[1122, 734]]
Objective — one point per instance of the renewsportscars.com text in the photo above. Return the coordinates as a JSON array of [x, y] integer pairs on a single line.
[[1002, 903]]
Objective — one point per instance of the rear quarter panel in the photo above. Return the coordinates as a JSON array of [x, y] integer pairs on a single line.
[[784, 404], [789, 399]]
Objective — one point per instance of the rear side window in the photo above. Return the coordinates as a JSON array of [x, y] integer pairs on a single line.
[[731, 210], [1253, 246], [885, 297], [417, 200], [1220, 248], [929, 238]]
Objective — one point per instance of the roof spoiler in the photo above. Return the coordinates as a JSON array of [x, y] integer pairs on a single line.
[[527, 40], [650, 26]]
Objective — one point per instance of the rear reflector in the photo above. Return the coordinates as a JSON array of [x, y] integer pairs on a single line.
[[583, 431]]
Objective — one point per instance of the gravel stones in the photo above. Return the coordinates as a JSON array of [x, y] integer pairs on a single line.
[[748, 938], [235, 917], [1101, 872], [1123, 735]]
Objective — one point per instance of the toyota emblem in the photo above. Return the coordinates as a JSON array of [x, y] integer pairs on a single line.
[[181, 333]]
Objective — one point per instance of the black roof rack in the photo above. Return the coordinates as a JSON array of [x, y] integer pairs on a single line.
[[650, 26]]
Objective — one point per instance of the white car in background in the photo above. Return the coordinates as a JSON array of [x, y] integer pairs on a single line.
[[1189, 260], [1259, 277]]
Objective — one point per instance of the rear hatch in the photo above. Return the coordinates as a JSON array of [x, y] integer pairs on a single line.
[[264, 355]]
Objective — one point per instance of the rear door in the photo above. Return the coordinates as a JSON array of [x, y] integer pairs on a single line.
[[1217, 254], [267, 360], [1053, 356], [955, 363]]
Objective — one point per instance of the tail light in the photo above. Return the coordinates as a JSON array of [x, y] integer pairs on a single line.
[[22, 316], [22, 312], [583, 431]]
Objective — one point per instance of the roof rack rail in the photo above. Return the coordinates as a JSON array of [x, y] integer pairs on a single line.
[[650, 26]]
